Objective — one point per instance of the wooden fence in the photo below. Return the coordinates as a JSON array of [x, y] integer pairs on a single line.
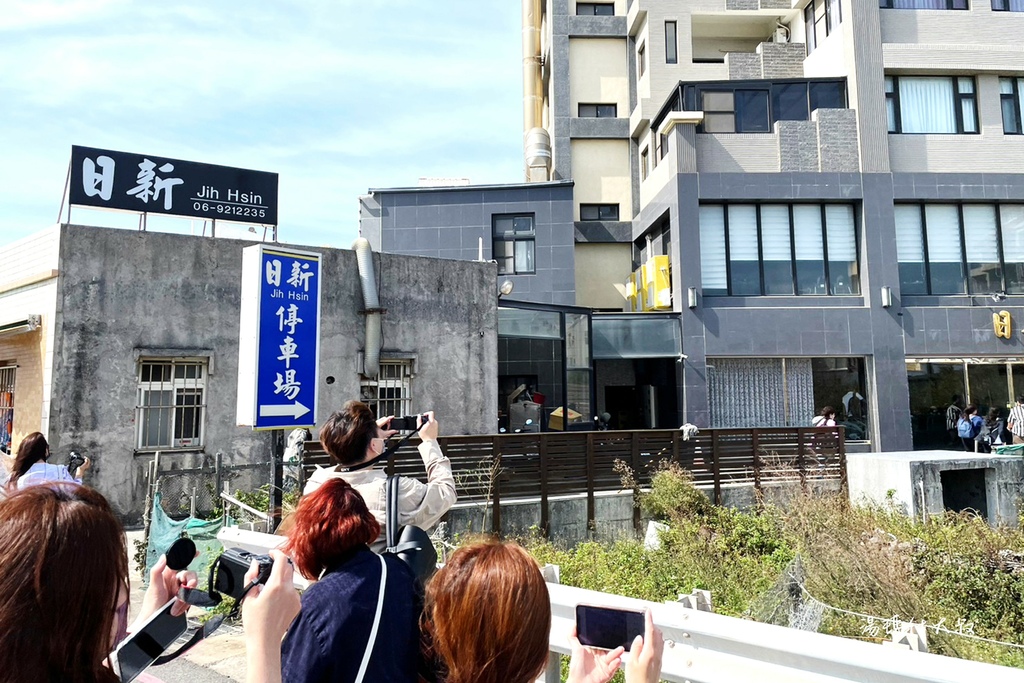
[[491, 468]]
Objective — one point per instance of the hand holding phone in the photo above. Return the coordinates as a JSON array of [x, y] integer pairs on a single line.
[[136, 652], [608, 627]]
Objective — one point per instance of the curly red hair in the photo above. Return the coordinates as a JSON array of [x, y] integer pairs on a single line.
[[328, 523]]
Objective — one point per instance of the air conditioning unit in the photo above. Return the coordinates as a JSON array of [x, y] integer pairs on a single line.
[[781, 35]]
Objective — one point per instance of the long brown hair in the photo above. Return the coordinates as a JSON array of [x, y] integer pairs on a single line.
[[31, 450], [64, 565], [347, 433], [488, 615], [327, 524]]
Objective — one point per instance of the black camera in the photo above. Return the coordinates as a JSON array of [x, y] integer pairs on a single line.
[[231, 568], [75, 460], [408, 423]]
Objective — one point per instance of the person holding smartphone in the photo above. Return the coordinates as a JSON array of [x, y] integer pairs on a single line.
[[355, 440], [31, 466]]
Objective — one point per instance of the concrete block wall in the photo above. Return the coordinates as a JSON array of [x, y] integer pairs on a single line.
[[837, 139], [782, 60], [798, 145], [743, 66]]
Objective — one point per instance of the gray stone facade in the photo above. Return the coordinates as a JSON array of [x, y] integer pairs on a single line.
[[453, 222], [123, 295]]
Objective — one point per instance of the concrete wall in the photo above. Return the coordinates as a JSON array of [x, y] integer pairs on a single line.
[[450, 223], [738, 152], [28, 286], [597, 73], [601, 172], [124, 294], [915, 480], [599, 267]]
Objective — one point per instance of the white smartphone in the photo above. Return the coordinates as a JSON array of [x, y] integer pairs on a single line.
[[136, 652]]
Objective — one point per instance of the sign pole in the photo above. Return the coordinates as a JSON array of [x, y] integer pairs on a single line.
[[276, 505]]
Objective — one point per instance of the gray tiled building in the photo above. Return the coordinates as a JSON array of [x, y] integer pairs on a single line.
[[790, 204]]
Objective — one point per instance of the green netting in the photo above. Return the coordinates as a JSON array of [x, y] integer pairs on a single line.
[[163, 531]]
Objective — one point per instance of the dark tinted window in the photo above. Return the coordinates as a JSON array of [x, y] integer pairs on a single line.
[[605, 9], [827, 96], [789, 102], [752, 111]]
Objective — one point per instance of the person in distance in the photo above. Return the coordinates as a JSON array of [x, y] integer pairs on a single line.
[[30, 466], [355, 441]]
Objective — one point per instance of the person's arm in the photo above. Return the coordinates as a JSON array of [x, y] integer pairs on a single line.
[[267, 612], [424, 505]]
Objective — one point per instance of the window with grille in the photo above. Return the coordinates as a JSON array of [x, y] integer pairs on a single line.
[[171, 403], [390, 393], [6, 406]]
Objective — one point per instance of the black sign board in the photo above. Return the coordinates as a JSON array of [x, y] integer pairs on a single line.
[[145, 183]]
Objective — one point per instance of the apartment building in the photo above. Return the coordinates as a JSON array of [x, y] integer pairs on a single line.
[[789, 205]]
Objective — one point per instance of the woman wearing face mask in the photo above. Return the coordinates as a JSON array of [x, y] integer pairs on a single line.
[[64, 586]]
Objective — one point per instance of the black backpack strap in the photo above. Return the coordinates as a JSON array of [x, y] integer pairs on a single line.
[[391, 513]]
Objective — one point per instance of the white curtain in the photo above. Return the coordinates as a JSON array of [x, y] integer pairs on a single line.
[[943, 227], [712, 248], [842, 236], [1012, 220], [750, 392], [980, 233], [743, 232], [775, 233], [927, 105], [919, 4], [909, 240]]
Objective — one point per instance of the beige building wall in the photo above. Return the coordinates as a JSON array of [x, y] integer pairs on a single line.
[[600, 169], [601, 273], [598, 73], [28, 286]]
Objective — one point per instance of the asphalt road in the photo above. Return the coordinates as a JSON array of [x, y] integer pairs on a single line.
[[184, 671]]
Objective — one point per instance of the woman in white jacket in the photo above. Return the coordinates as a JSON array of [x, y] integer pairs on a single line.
[[355, 441]]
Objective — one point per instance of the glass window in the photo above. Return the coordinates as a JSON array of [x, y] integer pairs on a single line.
[[599, 212], [171, 404], [789, 102], [910, 250], [600, 111], [810, 249], [945, 260], [931, 105], [641, 60], [1008, 5], [777, 254], [713, 272], [1011, 221], [645, 166], [1012, 104], [809, 28], [985, 275], [827, 95], [390, 393], [650, 336], [513, 246], [7, 376], [744, 259], [923, 4], [752, 111], [671, 43], [719, 112], [841, 240], [600, 9]]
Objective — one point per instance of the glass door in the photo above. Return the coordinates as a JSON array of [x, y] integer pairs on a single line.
[[988, 386]]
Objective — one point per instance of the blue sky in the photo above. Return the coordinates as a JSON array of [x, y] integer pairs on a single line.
[[335, 96]]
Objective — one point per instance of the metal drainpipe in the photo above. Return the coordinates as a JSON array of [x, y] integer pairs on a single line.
[[371, 306]]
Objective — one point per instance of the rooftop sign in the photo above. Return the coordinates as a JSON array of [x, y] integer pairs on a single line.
[[144, 183]]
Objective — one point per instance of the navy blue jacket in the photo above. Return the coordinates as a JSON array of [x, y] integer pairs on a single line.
[[327, 640]]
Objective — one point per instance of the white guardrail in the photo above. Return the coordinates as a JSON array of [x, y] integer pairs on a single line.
[[712, 648], [703, 647]]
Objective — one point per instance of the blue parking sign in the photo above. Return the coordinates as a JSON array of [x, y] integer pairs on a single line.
[[279, 338]]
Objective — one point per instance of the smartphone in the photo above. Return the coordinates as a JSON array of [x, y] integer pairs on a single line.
[[608, 628], [140, 649]]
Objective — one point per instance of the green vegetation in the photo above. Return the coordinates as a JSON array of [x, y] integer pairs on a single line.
[[954, 570]]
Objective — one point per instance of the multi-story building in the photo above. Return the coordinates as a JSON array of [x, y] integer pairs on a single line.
[[813, 202]]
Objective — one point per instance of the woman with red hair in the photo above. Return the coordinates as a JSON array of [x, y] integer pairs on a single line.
[[488, 619], [359, 619]]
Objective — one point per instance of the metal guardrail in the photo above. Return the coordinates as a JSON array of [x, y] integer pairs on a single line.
[[712, 648], [492, 468]]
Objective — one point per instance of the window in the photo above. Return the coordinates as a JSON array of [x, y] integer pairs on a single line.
[[6, 406], [1012, 103], [1008, 5], [599, 9], [641, 60], [928, 104], [600, 111], [644, 164], [821, 19], [960, 248], [755, 106], [778, 249], [663, 145], [171, 403], [599, 212], [671, 44], [514, 244], [391, 392], [923, 4]]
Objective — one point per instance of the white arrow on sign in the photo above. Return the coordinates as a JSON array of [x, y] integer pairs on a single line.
[[292, 410]]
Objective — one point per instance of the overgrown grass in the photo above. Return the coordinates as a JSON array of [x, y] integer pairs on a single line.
[[953, 570]]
